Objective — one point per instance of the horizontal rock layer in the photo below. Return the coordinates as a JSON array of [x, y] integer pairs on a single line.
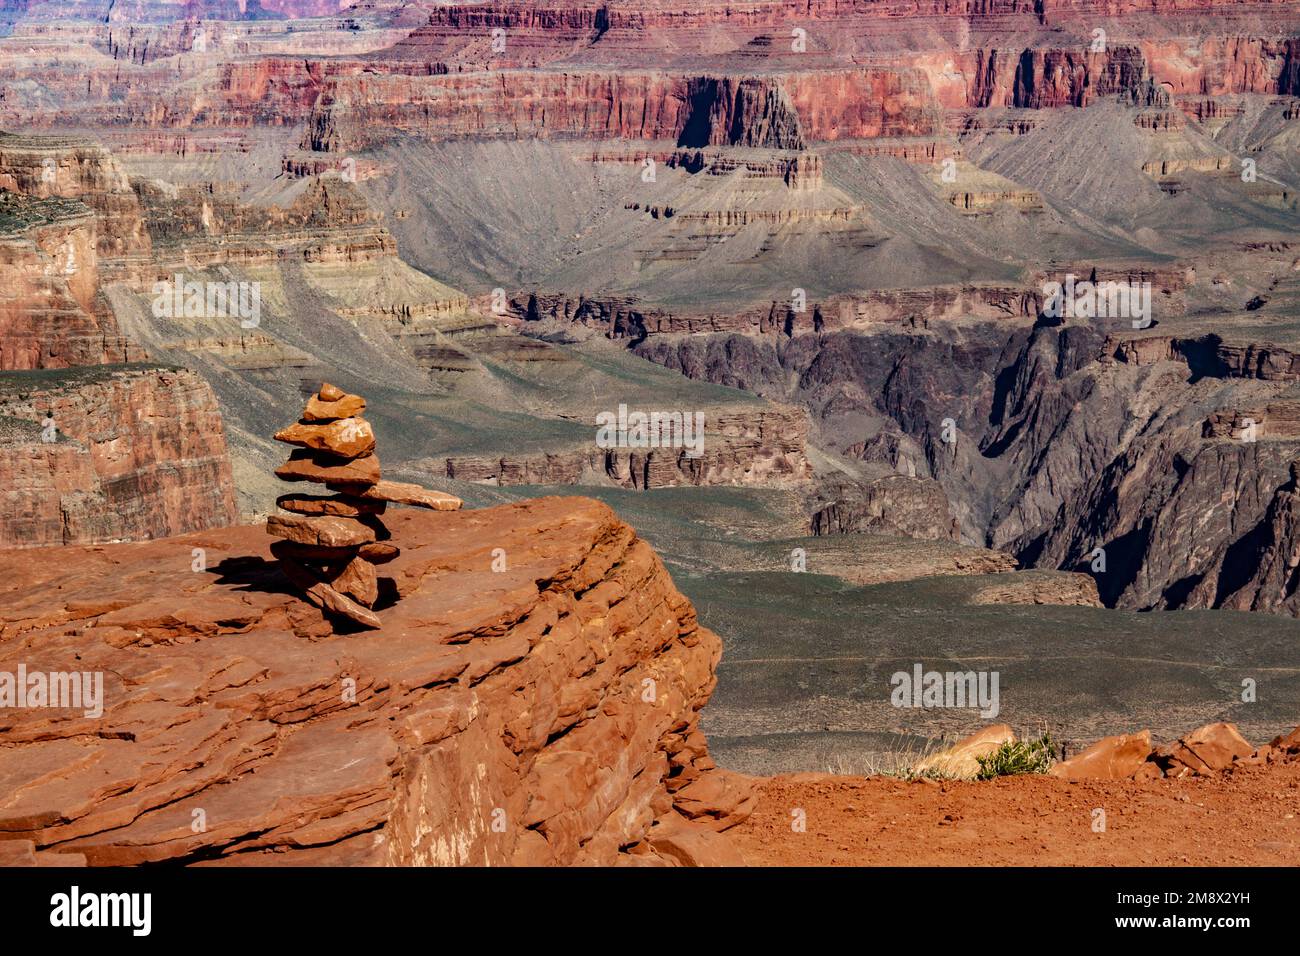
[[140, 453]]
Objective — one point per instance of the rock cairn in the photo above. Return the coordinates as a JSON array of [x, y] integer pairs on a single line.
[[332, 543]]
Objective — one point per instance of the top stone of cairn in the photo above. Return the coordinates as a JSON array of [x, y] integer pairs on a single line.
[[331, 403]]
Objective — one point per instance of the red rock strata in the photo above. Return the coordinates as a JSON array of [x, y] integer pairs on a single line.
[[545, 713], [42, 167], [140, 453], [49, 313], [721, 74]]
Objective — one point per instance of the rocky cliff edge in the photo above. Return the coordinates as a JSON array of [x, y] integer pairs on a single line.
[[532, 698]]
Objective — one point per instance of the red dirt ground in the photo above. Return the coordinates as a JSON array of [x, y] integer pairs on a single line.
[[1246, 817]]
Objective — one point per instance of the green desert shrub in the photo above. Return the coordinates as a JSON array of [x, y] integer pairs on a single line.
[[1020, 756]]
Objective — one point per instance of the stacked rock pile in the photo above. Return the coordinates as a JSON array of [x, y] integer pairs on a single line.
[[332, 543]]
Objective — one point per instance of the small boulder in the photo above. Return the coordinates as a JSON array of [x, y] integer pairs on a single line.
[[1111, 758], [962, 759], [325, 597], [1288, 743], [1205, 750], [358, 580], [323, 469], [689, 844], [379, 552], [405, 493], [320, 410], [719, 798], [346, 506]]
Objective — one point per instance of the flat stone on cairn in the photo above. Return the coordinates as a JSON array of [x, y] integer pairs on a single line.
[[333, 542]]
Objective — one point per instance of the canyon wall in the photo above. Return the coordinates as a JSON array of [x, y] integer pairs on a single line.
[[50, 314], [764, 447], [358, 111], [132, 453], [1172, 455], [43, 167], [95, 450], [867, 70]]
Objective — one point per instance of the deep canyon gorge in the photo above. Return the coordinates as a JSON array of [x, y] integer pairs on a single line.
[[830, 228]]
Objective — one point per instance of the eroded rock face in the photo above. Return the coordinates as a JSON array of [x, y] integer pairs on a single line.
[[765, 448], [44, 167], [913, 507], [542, 714], [1173, 454], [129, 452], [447, 78], [49, 317]]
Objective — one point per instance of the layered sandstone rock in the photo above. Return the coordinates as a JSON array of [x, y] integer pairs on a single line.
[[43, 167], [110, 453], [1064, 588], [622, 317], [765, 448], [50, 315], [545, 712], [859, 70], [356, 111]]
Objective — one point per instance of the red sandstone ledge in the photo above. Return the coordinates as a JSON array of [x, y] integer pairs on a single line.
[[546, 713]]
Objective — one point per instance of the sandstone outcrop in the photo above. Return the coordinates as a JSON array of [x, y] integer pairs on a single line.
[[1042, 587], [543, 713], [45, 167], [326, 538], [915, 507], [1206, 750], [1037, 475], [50, 316]]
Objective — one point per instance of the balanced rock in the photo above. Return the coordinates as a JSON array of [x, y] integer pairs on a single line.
[[329, 531], [342, 405], [331, 543], [325, 597], [358, 580], [379, 552], [306, 465], [345, 437], [405, 493], [345, 505], [314, 553]]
